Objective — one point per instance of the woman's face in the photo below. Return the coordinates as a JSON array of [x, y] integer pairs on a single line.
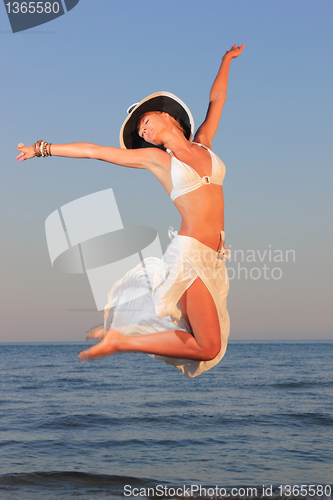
[[151, 127]]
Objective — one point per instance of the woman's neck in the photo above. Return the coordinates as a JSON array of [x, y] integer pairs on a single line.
[[177, 142]]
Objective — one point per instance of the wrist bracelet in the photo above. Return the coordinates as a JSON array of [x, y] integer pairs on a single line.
[[42, 148]]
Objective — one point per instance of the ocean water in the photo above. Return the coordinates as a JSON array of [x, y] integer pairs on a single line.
[[263, 416]]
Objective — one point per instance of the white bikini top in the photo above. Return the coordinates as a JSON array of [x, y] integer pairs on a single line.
[[185, 179]]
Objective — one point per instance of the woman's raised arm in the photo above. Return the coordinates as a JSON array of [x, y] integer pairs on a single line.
[[148, 158], [217, 97]]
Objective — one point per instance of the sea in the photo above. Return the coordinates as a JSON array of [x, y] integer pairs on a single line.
[[258, 425]]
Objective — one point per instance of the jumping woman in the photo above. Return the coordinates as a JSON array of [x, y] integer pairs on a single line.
[[182, 318]]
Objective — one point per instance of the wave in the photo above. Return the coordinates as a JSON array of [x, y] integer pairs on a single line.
[[301, 384], [66, 478], [69, 483], [95, 420]]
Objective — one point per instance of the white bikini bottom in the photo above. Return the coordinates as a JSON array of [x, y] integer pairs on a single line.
[[146, 299]]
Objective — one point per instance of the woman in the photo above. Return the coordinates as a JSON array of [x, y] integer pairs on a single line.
[[188, 288]]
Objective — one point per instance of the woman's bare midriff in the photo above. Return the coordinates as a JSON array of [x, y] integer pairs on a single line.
[[202, 214]]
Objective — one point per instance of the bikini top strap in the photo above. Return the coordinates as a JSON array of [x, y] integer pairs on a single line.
[[198, 143], [202, 145]]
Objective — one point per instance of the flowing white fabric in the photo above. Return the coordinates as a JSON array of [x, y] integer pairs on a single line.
[[146, 299]]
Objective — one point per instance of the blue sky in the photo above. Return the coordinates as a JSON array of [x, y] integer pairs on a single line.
[[71, 80]]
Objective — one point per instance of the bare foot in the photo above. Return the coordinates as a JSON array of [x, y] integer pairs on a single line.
[[106, 347], [95, 333]]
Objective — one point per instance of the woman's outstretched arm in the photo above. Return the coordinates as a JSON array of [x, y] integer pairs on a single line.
[[148, 158], [217, 97]]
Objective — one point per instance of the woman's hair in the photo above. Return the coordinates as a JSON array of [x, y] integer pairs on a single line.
[[178, 124]]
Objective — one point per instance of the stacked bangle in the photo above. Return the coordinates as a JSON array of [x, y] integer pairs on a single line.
[[42, 148]]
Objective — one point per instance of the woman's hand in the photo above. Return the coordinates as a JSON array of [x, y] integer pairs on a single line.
[[235, 51], [26, 152]]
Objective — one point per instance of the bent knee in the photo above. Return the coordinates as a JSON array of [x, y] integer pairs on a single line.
[[210, 351]]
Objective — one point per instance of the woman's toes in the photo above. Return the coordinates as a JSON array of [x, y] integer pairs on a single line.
[[95, 333]]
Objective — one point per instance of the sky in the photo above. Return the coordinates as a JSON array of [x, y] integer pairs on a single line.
[[72, 80]]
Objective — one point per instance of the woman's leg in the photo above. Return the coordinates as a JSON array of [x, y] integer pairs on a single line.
[[198, 307]]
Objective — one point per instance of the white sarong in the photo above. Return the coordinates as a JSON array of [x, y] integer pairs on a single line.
[[146, 299]]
